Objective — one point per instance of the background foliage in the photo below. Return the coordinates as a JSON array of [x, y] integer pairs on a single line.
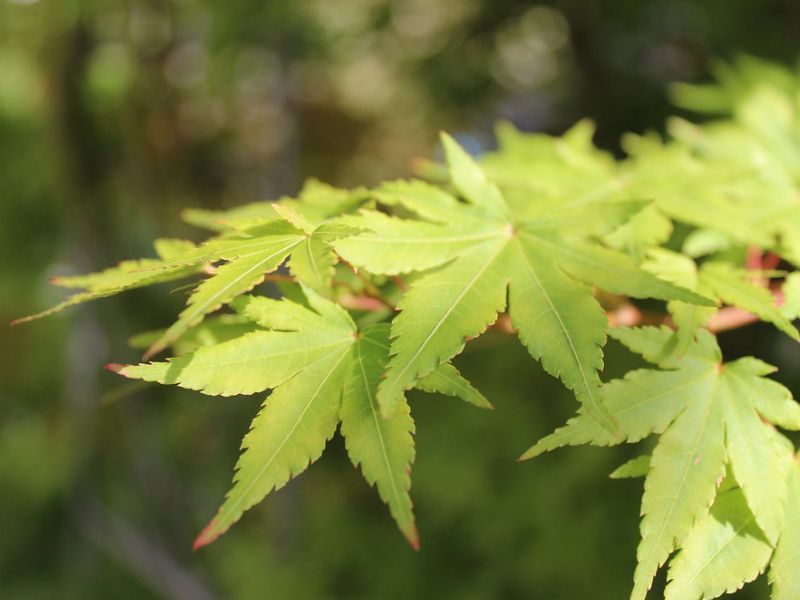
[[115, 116]]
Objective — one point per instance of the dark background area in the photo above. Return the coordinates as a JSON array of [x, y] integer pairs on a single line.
[[116, 115]]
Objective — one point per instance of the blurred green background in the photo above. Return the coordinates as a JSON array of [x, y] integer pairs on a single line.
[[115, 115]]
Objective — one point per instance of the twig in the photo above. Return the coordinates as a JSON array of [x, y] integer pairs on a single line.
[[730, 318], [369, 287], [770, 261], [370, 290], [365, 303], [401, 285], [753, 260], [628, 315]]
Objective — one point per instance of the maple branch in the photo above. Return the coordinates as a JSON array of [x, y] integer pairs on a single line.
[[401, 285], [770, 261], [369, 287], [754, 259], [729, 318], [628, 315], [364, 303], [370, 300], [725, 319]]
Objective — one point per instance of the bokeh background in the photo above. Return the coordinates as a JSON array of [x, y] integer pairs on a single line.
[[115, 115]]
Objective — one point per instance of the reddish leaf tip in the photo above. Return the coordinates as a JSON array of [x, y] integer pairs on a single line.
[[207, 535], [412, 535], [115, 368], [153, 350]]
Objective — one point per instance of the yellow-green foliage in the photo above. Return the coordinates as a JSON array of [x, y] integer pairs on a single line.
[[382, 288]]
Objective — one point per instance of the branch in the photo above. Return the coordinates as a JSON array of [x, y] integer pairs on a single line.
[[364, 303]]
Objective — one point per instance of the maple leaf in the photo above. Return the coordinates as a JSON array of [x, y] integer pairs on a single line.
[[322, 371], [708, 414], [478, 251], [757, 147], [570, 171], [127, 275], [693, 190], [554, 170], [732, 84], [317, 201], [250, 255]]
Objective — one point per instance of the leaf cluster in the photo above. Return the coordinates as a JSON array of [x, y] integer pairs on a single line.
[[371, 293]]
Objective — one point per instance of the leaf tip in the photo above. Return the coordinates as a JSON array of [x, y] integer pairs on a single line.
[[209, 534], [115, 368], [528, 454], [153, 350], [412, 535]]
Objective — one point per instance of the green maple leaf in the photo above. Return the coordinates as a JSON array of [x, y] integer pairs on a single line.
[[708, 414], [733, 84], [479, 251], [554, 170], [317, 201], [322, 371], [570, 170], [249, 256], [687, 188], [127, 275], [758, 148]]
